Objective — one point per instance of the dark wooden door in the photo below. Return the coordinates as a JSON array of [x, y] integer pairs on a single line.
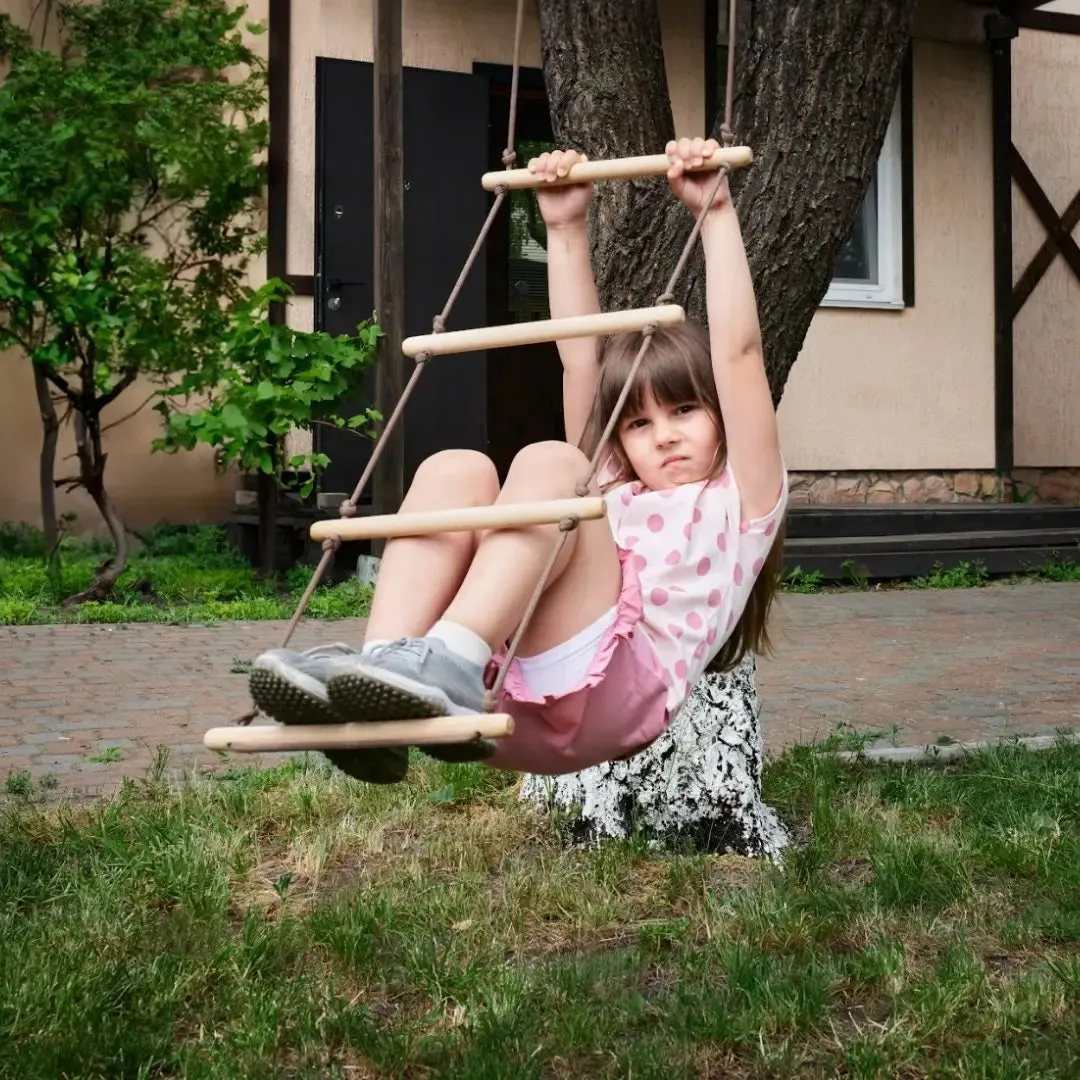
[[445, 153]]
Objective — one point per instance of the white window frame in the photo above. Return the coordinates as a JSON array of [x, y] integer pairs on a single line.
[[888, 291]]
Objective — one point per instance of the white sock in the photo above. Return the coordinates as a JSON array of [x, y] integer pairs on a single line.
[[374, 643], [462, 641]]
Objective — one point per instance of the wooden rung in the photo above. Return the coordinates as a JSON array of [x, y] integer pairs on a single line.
[[735, 157], [458, 519], [530, 333], [279, 738]]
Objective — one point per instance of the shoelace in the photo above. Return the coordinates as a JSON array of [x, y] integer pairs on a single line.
[[417, 647], [337, 648]]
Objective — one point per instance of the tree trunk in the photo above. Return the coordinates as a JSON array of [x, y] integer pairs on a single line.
[[92, 459], [698, 784], [266, 496], [50, 424], [815, 85]]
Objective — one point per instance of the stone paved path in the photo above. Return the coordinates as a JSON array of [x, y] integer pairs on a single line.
[[975, 663]]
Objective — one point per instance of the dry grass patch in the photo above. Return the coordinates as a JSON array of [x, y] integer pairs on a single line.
[[290, 923]]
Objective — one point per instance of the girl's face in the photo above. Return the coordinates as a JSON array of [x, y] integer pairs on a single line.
[[668, 445]]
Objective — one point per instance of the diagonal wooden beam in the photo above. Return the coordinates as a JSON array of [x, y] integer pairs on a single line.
[[1059, 235], [1044, 258]]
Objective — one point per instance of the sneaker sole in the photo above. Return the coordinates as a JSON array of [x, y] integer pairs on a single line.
[[286, 699], [288, 703], [386, 695]]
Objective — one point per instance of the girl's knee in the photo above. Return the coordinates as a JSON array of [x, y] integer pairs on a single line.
[[550, 458], [458, 469]]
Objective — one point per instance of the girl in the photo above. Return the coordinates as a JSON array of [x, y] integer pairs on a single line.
[[678, 577]]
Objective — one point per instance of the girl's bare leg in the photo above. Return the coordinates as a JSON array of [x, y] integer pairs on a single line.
[[508, 563], [419, 575], [439, 671]]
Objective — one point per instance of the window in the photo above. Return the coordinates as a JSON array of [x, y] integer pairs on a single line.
[[869, 271]]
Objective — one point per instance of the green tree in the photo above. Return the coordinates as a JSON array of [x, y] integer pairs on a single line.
[[263, 380], [132, 167]]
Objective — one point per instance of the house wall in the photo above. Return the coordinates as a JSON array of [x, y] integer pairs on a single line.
[[150, 487], [913, 389], [1046, 344]]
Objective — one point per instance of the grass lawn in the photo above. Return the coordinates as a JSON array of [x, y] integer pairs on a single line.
[[176, 576], [191, 575], [292, 923]]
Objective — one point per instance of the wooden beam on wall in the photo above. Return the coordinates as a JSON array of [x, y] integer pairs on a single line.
[[277, 167], [1053, 22], [389, 234], [1000, 33]]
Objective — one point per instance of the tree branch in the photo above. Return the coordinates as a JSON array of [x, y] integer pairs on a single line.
[[59, 382], [129, 376], [145, 223], [130, 414]]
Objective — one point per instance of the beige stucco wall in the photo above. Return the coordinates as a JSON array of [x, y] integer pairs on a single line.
[[1046, 131], [913, 389]]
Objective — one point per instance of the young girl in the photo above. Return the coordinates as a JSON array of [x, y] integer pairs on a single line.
[[676, 579]]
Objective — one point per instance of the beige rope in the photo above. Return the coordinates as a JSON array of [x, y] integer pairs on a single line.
[[667, 296]]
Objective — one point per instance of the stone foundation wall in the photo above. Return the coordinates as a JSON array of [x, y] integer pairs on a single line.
[[1057, 486]]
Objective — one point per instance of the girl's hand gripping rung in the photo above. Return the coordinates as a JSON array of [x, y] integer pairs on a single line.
[[735, 157]]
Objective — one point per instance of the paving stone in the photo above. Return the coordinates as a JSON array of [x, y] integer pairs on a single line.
[[966, 664]]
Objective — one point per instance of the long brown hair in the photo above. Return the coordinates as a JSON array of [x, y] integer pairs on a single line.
[[677, 368]]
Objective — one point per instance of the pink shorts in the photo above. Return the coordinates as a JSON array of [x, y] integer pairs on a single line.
[[619, 708]]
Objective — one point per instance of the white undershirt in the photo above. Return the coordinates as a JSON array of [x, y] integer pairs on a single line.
[[564, 667]]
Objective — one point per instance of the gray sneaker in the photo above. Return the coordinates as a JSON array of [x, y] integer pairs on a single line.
[[410, 679], [291, 687]]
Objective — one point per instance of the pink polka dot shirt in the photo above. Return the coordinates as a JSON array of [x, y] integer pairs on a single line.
[[696, 562]]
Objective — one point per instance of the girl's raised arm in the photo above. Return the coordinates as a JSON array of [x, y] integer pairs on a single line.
[[753, 441], [571, 285]]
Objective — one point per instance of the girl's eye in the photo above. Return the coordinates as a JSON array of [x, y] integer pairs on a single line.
[[683, 409], [636, 422]]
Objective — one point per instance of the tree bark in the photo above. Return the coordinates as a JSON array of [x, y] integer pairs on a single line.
[[699, 784], [267, 503], [92, 459], [50, 424], [815, 85]]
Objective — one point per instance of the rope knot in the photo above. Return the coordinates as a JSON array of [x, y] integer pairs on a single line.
[[438, 324], [665, 298], [569, 524], [347, 509], [648, 330], [727, 136], [490, 700], [581, 490], [502, 190], [331, 543], [509, 157]]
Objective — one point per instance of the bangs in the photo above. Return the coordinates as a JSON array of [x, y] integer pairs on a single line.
[[670, 371]]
